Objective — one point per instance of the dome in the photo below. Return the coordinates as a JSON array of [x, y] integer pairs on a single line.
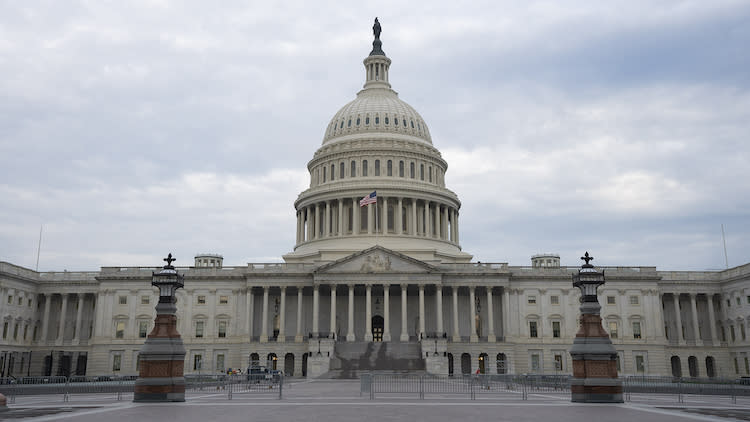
[[376, 110]]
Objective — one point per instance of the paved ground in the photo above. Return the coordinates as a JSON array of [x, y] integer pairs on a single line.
[[333, 401]]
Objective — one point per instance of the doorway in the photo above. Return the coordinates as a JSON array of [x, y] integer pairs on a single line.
[[289, 364], [465, 363], [377, 328]]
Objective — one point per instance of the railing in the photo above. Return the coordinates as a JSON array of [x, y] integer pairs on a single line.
[[266, 383], [686, 386]]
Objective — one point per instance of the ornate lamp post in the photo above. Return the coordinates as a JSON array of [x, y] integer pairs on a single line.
[[162, 357], [594, 358]]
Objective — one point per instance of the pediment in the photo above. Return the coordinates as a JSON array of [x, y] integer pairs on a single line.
[[376, 259]]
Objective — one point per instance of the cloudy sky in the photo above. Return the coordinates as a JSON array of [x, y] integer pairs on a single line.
[[129, 129]]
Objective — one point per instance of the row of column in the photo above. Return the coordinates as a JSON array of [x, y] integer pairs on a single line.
[[694, 314], [440, 221], [62, 320], [404, 336]]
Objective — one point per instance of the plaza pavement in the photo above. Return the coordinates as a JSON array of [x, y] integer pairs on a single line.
[[333, 401]]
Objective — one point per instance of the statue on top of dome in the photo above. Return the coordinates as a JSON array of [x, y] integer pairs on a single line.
[[376, 29]]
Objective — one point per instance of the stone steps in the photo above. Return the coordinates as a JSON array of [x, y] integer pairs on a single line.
[[352, 358]]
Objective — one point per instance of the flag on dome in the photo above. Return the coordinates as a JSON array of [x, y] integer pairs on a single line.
[[369, 199]]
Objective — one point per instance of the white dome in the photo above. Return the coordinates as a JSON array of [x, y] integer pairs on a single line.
[[376, 110]]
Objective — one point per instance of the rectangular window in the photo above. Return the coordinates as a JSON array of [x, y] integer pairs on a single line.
[[324, 174], [353, 169], [731, 333], [400, 169], [736, 366], [613, 329], [748, 299], [116, 362], [223, 300], [636, 329], [640, 364], [29, 303], [120, 329], [411, 170], [421, 172], [5, 330], [20, 301], [201, 300], [199, 329], [610, 300], [429, 174], [10, 300], [36, 331], [123, 300], [222, 329], [554, 300], [532, 329], [390, 168], [25, 331], [145, 300], [197, 362], [723, 334], [618, 363], [531, 300], [558, 362], [742, 331], [342, 170], [729, 303], [535, 363], [738, 301], [15, 332], [364, 168], [220, 362], [556, 329], [634, 300], [142, 329], [377, 167]]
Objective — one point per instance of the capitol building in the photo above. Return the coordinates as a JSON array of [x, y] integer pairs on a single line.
[[377, 280]]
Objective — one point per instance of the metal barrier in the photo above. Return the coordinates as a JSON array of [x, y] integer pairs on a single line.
[[468, 385], [685, 386], [272, 384]]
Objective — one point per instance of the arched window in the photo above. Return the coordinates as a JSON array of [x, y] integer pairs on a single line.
[[367, 120], [400, 169], [710, 371], [412, 124], [395, 121], [411, 170], [364, 168], [354, 169], [676, 366], [404, 122], [390, 168], [465, 363], [289, 364], [348, 124], [502, 364], [377, 167], [386, 119], [377, 120], [693, 366], [357, 121], [342, 125]]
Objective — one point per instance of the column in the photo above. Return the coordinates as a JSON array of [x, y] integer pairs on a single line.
[[397, 217], [327, 224], [490, 317], [341, 218], [77, 336], [250, 306], [473, 315], [676, 297], [456, 214], [506, 314], [370, 218], [712, 319], [456, 331], [421, 311], [298, 337], [264, 319], [355, 217], [426, 219], [384, 217], [696, 331], [45, 318], [386, 312], [439, 305], [368, 313], [61, 326], [282, 316], [333, 311], [437, 221], [310, 228], [317, 222], [350, 325], [446, 233], [404, 333], [414, 230], [316, 310]]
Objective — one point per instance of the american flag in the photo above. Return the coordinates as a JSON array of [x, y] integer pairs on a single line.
[[369, 199]]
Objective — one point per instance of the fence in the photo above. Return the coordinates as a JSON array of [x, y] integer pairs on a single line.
[[523, 385], [271, 384]]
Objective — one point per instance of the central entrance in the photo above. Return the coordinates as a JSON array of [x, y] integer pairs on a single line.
[[377, 328]]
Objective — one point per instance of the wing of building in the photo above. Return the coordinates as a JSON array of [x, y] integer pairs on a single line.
[[378, 284]]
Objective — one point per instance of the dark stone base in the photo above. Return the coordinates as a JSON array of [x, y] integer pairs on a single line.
[[158, 397]]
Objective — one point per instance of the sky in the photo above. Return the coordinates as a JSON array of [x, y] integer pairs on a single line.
[[130, 129]]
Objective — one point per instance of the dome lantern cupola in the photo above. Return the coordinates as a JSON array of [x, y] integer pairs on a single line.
[[377, 64]]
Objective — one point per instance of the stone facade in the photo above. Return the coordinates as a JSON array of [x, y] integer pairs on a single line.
[[393, 271]]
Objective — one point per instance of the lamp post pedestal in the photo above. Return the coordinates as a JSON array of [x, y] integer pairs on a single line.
[[594, 358], [162, 357]]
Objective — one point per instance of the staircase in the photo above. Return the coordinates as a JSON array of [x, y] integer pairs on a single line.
[[351, 358]]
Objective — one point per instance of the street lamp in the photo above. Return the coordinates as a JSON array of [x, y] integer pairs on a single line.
[[167, 280]]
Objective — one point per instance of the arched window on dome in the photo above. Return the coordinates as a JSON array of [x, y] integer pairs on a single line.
[[421, 172], [354, 168], [386, 119], [342, 125], [400, 169], [395, 121], [364, 168], [419, 126], [377, 167], [333, 171], [367, 120], [429, 173], [390, 168], [412, 124], [342, 170], [404, 122], [349, 123], [377, 120], [357, 121], [411, 170]]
